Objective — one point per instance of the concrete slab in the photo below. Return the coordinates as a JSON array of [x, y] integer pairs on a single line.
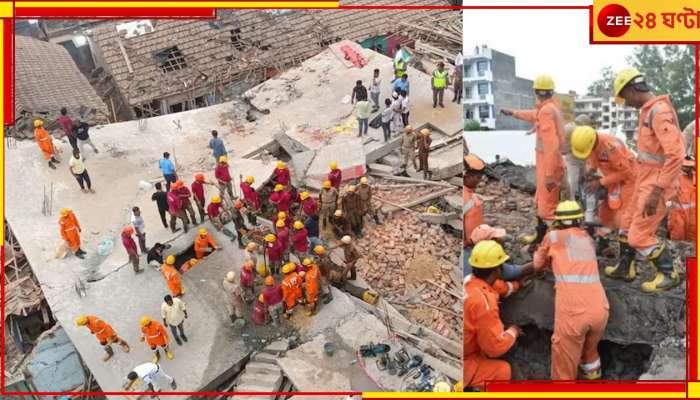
[[54, 364], [377, 149], [328, 316], [350, 157], [310, 369]]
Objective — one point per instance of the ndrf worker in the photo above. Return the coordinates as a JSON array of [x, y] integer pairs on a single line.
[[660, 154], [274, 249], [172, 277], [104, 333], [155, 335], [223, 178], [682, 224], [312, 286], [43, 139], [198, 194], [291, 289], [204, 244], [580, 305], [300, 240], [549, 161], [281, 175], [70, 231], [472, 212], [484, 335], [184, 194], [335, 175]]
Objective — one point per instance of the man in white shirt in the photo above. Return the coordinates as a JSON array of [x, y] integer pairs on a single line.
[[174, 312], [149, 373], [398, 116], [405, 108], [374, 90], [387, 117], [139, 228], [77, 168]]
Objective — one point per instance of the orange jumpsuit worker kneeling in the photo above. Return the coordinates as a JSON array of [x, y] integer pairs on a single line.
[[204, 244], [172, 277], [291, 289], [484, 335], [580, 304], [155, 336]]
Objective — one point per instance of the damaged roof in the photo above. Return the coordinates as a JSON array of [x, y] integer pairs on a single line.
[[22, 297], [238, 41]]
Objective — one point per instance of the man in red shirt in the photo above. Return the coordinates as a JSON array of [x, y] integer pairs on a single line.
[[130, 247], [272, 295], [198, 193], [335, 176], [252, 199], [300, 238], [280, 175], [214, 210], [175, 210], [67, 125], [184, 194], [273, 248], [309, 205], [283, 238], [223, 177]]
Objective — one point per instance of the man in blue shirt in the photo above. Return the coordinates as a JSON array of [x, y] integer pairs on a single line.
[[168, 168], [402, 84], [217, 146]]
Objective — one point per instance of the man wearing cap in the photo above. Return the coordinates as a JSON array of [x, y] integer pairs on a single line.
[[291, 289], [281, 197], [408, 147], [309, 206], [198, 194], [214, 211], [312, 285], [217, 146], [350, 204], [300, 239], [335, 175], [364, 190], [424, 142], [472, 213], [273, 249], [340, 224], [272, 296], [70, 231], [104, 333], [234, 296], [223, 178], [130, 247], [329, 202], [351, 256], [43, 139], [326, 265], [281, 175], [660, 154], [252, 199], [204, 244], [172, 277]]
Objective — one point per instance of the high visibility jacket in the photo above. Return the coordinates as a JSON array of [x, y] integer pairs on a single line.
[[43, 139], [70, 230], [102, 330], [201, 243], [172, 279], [155, 334], [440, 79], [681, 217], [250, 195], [281, 176], [312, 279], [399, 67], [618, 165], [291, 289], [335, 176], [472, 214], [484, 334]]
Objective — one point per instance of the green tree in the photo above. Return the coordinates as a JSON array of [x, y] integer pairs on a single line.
[[601, 87]]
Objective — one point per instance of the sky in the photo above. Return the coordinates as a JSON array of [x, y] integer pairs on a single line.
[[552, 42]]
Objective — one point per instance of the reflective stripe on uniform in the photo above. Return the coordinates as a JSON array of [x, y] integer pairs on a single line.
[[44, 139], [683, 206], [577, 278], [591, 366], [468, 205], [579, 248], [553, 236], [645, 156], [538, 144], [510, 288], [72, 228]]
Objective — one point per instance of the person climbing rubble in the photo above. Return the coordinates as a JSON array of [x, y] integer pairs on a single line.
[[176, 210], [217, 213], [280, 175], [549, 162], [198, 194], [45, 142], [204, 244], [364, 190], [252, 200], [424, 142], [335, 175], [272, 297], [247, 281], [340, 224], [172, 277], [223, 178], [312, 286], [130, 247], [174, 313], [682, 224], [184, 194], [104, 333], [147, 373], [300, 240], [472, 213], [484, 335], [350, 204], [408, 147], [234, 297], [291, 289], [273, 250], [329, 202], [581, 306], [660, 154], [70, 231], [155, 336]]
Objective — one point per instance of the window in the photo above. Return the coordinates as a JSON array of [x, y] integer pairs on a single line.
[[236, 39], [171, 59], [148, 110], [482, 66], [484, 111], [467, 69], [483, 88], [469, 114], [468, 92]]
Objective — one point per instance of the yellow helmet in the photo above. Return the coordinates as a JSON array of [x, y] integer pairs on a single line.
[[351, 188], [304, 195], [307, 262], [81, 320], [442, 387], [622, 79], [288, 267], [170, 260], [280, 164], [280, 223], [459, 386], [216, 199], [338, 213], [202, 232], [298, 225], [326, 184], [145, 321], [249, 180], [320, 250], [281, 215], [583, 140], [64, 212], [279, 188], [223, 159], [38, 123], [364, 180], [334, 165], [425, 131], [262, 269], [567, 210], [230, 276], [270, 238], [543, 82], [487, 254]]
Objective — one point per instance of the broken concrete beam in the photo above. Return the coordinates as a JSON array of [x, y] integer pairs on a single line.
[[289, 144], [300, 164], [375, 151], [271, 382], [263, 368], [414, 180], [376, 168], [277, 347], [392, 159], [265, 358], [306, 363], [350, 157], [425, 198], [255, 388], [440, 219]]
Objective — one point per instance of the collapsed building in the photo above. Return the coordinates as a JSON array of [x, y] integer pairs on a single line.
[[301, 115]]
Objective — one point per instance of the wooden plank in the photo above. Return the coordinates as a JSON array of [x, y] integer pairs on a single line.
[[404, 179]]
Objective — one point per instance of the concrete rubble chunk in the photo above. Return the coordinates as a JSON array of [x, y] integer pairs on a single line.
[[264, 379], [262, 367], [381, 168], [265, 358], [310, 369], [289, 144], [376, 150], [277, 347]]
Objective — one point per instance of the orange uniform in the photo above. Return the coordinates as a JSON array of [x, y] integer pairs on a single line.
[[472, 214], [549, 162], [580, 305], [484, 336], [291, 289], [617, 163], [102, 330], [155, 335], [202, 243], [172, 279], [681, 217], [70, 231], [660, 154], [43, 139], [312, 278]]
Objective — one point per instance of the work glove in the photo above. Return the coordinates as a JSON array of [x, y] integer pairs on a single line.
[[652, 202]]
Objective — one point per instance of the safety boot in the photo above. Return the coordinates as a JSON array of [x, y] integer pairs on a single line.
[[125, 346], [666, 276], [626, 268], [156, 356], [108, 353], [592, 375], [169, 353]]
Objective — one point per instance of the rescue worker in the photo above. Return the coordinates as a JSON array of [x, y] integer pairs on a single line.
[[188, 265], [472, 213], [365, 193], [350, 204], [399, 63], [223, 178], [484, 335], [252, 199], [272, 296], [43, 139], [291, 289], [439, 81], [309, 205], [660, 154], [238, 222], [408, 147], [273, 248], [198, 194], [312, 286], [609, 155], [282, 233], [172, 277], [130, 247], [581, 307], [282, 215], [281, 175], [247, 281], [340, 225], [325, 265], [329, 202], [259, 312], [184, 194], [300, 239], [70, 231], [104, 333], [234, 296], [281, 198], [335, 175], [155, 335], [682, 224], [351, 256], [549, 162], [204, 244], [176, 211], [216, 213], [251, 254], [424, 142]]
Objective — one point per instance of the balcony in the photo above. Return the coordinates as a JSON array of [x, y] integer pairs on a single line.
[[476, 76], [479, 53], [479, 99], [488, 123]]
